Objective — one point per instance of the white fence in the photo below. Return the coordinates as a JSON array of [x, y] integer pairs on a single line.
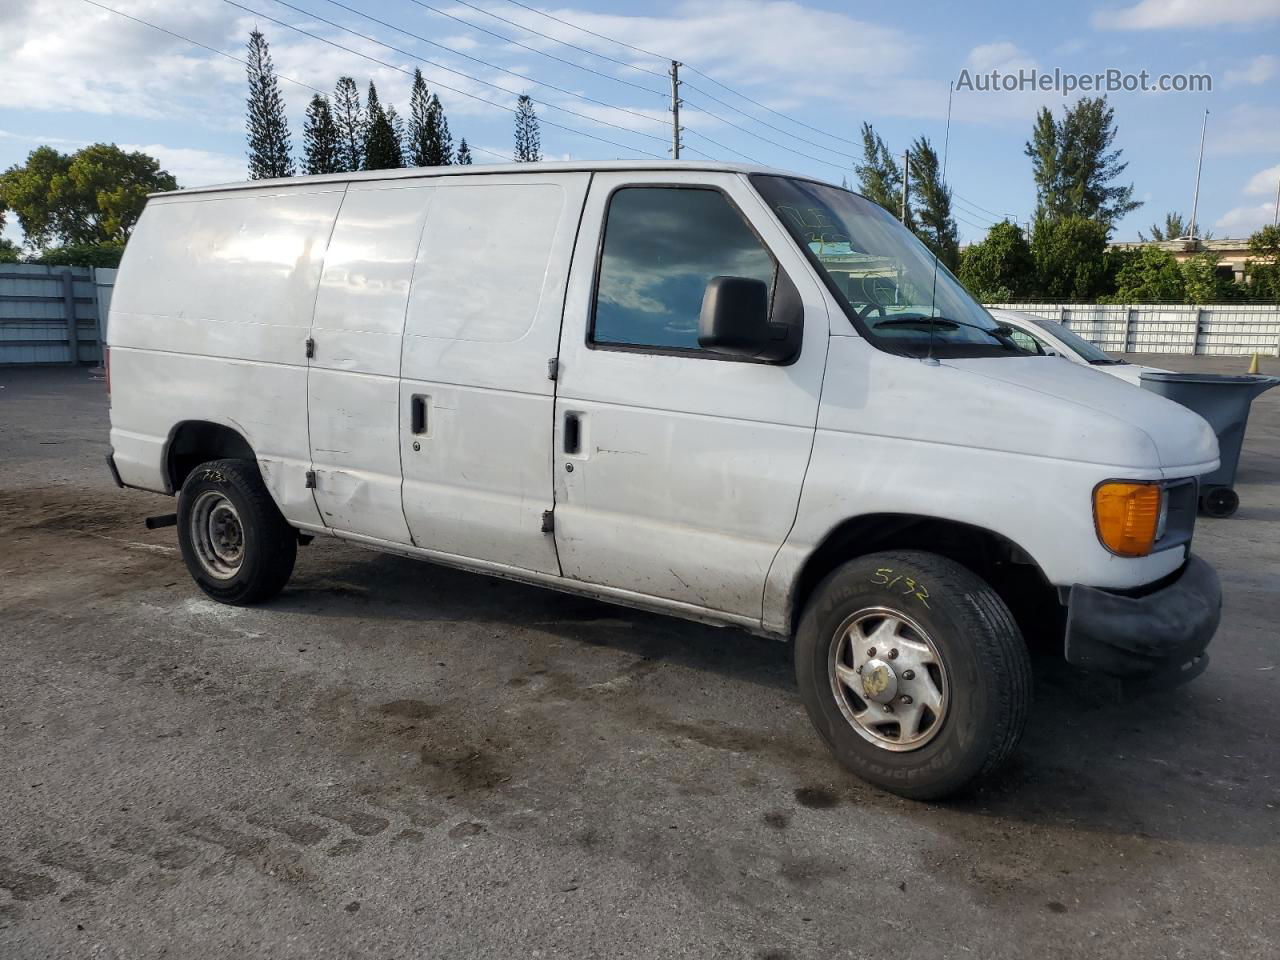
[[52, 315], [1211, 329]]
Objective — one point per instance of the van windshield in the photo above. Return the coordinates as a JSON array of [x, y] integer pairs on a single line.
[[895, 292]]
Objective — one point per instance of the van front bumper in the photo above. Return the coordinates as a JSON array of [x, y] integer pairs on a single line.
[[1159, 636]]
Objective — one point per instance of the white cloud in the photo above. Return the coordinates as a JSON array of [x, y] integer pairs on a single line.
[[1173, 14], [1255, 73], [1246, 128], [1242, 221], [195, 168], [1264, 181]]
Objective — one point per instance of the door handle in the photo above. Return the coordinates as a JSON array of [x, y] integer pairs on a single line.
[[418, 414], [572, 433]]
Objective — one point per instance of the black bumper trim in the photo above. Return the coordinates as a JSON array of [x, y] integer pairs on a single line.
[[111, 465], [1162, 634]]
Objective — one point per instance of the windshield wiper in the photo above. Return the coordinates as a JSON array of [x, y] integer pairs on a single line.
[[1107, 362], [998, 333]]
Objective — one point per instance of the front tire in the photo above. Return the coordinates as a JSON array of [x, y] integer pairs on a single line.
[[912, 669], [237, 546]]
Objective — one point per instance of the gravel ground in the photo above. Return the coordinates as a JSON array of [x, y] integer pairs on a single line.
[[398, 760]]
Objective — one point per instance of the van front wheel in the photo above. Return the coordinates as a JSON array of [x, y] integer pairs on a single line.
[[912, 669], [237, 546]]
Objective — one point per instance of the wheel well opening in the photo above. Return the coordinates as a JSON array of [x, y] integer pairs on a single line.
[[199, 441], [1009, 569]]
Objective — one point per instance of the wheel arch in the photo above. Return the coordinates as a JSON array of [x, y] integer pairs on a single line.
[[1010, 570], [193, 442]]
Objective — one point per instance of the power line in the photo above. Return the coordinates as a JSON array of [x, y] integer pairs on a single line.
[[601, 36], [443, 86], [535, 50], [761, 137], [459, 73], [566, 43], [709, 96], [716, 143], [493, 66], [194, 43], [765, 123]]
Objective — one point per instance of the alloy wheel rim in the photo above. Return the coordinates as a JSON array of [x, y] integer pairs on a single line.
[[888, 679]]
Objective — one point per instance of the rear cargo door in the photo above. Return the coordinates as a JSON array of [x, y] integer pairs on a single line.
[[353, 385], [477, 397]]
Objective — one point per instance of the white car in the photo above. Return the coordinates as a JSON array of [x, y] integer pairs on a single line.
[[1050, 338], [719, 392]]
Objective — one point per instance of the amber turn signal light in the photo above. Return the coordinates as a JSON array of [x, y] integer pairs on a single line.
[[1127, 516]]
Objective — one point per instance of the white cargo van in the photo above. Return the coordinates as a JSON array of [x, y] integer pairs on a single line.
[[724, 393]]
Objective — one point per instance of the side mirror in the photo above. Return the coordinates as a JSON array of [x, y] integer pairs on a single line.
[[735, 319]]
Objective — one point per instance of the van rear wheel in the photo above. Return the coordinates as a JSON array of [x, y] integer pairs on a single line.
[[912, 669], [237, 546]]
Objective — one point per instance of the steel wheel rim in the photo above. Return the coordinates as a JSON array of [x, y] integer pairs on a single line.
[[217, 534], [901, 663]]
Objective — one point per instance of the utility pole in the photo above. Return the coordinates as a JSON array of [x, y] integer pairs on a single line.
[[675, 109], [906, 182], [1199, 164], [1275, 221]]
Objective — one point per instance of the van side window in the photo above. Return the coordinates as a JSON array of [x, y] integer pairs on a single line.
[[661, 247]]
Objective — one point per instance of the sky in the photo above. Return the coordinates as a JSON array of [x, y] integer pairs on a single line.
[[783, 83]]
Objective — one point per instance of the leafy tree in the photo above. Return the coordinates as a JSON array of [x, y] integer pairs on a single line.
[[320, 138], [94, 195], [8, 251], [348, 117], [381, 146], [1070, 255], [464, 153], [397, 129], [935, 226], [1000, 268], [879, 176], [1203, 283], [82, 255], [439, 140], [1264, 272], [1075, 167], [269, 148], [528, 140], [1149, 275]]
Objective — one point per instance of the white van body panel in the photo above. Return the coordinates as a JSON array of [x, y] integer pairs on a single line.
[[484, 323], [690, 467], [354, 383], [1016, 448], [210, 324]]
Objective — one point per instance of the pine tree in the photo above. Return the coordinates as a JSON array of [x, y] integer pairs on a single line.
[[1075, 167], [528, 141], [879, 176], [349, 119], [935, 226], [381, 149], [269, 149], [397, 129], [464, 153], [320, 138], [439, 142], [419, 109]]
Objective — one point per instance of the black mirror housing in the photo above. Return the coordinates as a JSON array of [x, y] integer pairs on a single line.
[[735, 319]]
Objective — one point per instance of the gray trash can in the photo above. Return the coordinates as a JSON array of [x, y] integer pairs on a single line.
[[1223, 399]]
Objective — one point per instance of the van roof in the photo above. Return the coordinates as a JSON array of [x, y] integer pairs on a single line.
[[557, 166]]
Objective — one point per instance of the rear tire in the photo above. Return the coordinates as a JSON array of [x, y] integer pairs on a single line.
[[912, 669], [236, 544]]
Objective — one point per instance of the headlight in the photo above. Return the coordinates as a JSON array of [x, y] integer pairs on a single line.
[[1129, 516]]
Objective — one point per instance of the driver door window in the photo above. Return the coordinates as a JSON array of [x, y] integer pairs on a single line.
[[1026, 341], [661, 247]]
